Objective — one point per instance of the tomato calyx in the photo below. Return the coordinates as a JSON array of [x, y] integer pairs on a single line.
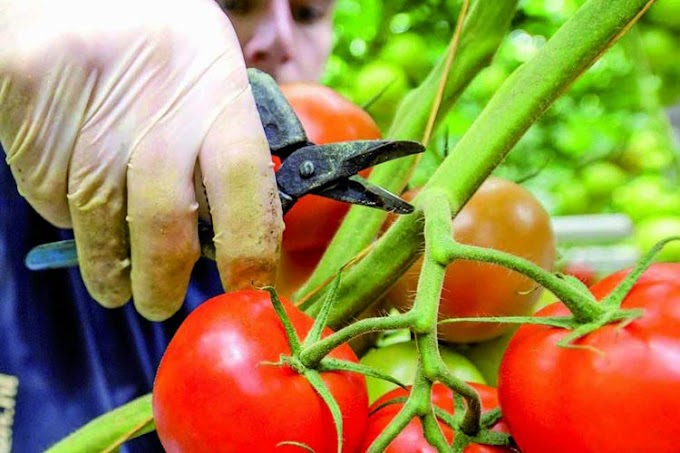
[[312, 375], [485, 436], [442, 414]]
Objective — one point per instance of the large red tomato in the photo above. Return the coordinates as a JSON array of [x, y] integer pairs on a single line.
[[218, 388], [617, 391], [412, 439], [504, 216], [327, 117]]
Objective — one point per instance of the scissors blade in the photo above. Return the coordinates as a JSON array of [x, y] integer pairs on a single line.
[[313, 168], [359, 155], [357, 190]]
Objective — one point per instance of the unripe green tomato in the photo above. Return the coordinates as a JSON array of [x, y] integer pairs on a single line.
[[489, 79], [659, 45], [645, 197], [646, 151], [487, 356], [650, 231], [400, 360], [601, 178], [570, 197], [376, 77], [410, 51]]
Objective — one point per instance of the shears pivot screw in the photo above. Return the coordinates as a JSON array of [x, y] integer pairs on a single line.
[[307, 169]]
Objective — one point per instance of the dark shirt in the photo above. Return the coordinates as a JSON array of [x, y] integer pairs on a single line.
[[73, 359]]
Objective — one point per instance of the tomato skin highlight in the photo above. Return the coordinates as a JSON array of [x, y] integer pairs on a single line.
[[217, 388], [504, 216], [412, 439], [623, 395]]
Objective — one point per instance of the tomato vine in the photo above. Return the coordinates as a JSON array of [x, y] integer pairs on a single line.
[[526, 94]]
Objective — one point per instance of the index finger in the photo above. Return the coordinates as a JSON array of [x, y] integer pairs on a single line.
[[240, 185]]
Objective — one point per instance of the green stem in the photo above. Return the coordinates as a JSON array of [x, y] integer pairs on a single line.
[[471, 421], [434, 369], [315, 380], [398, 423], [433, 432], [485, 27], [431, 279], [581, 304], [523, 97], [314, 353], [110, 430]]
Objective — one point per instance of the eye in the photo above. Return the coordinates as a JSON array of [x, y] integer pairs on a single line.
[[235, 6], [307, 14]]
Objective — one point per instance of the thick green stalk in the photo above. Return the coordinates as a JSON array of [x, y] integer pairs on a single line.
[[524, 96], [110, 430], [486, 25]]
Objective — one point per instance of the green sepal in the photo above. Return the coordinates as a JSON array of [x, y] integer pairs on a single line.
[[321, 320], [291, 334], [397, 400], [314, 379], [616, 297], [331, 364], [296, 444], [564, 322]]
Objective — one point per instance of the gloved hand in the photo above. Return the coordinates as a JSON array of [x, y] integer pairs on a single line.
[[106, 111]]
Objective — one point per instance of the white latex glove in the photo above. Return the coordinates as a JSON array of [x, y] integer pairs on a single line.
[[106, 108]]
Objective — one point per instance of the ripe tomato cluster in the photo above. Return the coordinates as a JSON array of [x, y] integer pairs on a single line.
[[615, 389], [229, 380], [222, 387]]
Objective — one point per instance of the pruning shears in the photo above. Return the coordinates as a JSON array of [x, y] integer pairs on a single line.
[[306, 168]]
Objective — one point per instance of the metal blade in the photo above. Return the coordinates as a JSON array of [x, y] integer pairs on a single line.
[[365, 154], [315, 167], [357, 190]]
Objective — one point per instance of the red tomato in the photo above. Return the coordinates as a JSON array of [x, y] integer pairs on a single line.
[[583, 271], [621, 394], [412, 439], [504, 216], [327, 117], [218, 390]]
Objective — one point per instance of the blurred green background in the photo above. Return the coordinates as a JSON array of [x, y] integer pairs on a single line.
[[606, 146]]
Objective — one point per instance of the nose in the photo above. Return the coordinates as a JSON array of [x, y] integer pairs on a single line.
[[272, 42]]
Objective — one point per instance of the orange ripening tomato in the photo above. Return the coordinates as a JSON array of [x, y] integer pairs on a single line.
[[504, 216]]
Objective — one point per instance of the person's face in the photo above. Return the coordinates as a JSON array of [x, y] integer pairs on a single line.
[[289, 39]]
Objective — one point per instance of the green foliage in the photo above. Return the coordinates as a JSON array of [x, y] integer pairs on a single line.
[[612, 118]]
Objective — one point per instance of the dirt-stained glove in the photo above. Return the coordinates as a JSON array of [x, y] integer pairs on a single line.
[[108, 110]]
